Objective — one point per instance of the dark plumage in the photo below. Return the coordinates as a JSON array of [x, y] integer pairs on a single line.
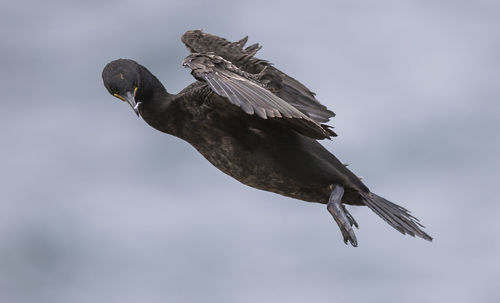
[[254, 123]]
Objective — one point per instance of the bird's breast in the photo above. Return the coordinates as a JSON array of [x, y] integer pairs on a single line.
[[259, 158], [259, 153]]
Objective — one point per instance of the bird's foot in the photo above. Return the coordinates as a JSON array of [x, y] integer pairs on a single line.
[[343, 218], [349, 217]]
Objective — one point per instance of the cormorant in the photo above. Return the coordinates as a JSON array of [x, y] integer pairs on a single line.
[[254, 123]]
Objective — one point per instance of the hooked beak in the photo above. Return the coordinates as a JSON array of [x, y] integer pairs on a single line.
[[130, 98]]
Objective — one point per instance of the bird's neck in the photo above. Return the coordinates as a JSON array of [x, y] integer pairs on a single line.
[[151, 88], [155, 100], [152, 93]]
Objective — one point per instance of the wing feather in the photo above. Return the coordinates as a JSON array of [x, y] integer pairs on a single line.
[[285, 87], [244, 90]]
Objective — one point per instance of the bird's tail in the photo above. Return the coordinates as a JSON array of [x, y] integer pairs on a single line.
[[397, 216]]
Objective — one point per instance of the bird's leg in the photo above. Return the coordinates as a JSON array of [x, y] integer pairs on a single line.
[[343, 218]]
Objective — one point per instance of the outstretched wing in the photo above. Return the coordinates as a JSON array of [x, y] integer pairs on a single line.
[[282, 85], [295, 93], [245, 91], [199, 42]]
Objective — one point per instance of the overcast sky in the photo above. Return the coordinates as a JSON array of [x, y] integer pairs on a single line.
[[96, 206]]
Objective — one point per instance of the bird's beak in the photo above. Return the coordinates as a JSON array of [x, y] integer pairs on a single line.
[[130, 98]]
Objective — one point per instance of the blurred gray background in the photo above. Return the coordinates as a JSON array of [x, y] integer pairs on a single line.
[[95, 206]]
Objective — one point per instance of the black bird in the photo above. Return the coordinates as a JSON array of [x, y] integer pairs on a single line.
[[254, 123]]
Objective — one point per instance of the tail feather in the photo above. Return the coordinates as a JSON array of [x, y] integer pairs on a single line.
[[397, 216]]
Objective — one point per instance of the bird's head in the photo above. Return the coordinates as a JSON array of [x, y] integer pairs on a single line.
[[123, 79]]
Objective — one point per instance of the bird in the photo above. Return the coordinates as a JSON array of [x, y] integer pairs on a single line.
[[256, 124]]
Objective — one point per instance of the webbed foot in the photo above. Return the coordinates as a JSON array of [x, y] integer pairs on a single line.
[[343, 218]]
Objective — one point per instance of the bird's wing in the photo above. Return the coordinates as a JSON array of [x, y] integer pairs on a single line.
[[199, 42], [245, 91], [282, 85], [295, 93]]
